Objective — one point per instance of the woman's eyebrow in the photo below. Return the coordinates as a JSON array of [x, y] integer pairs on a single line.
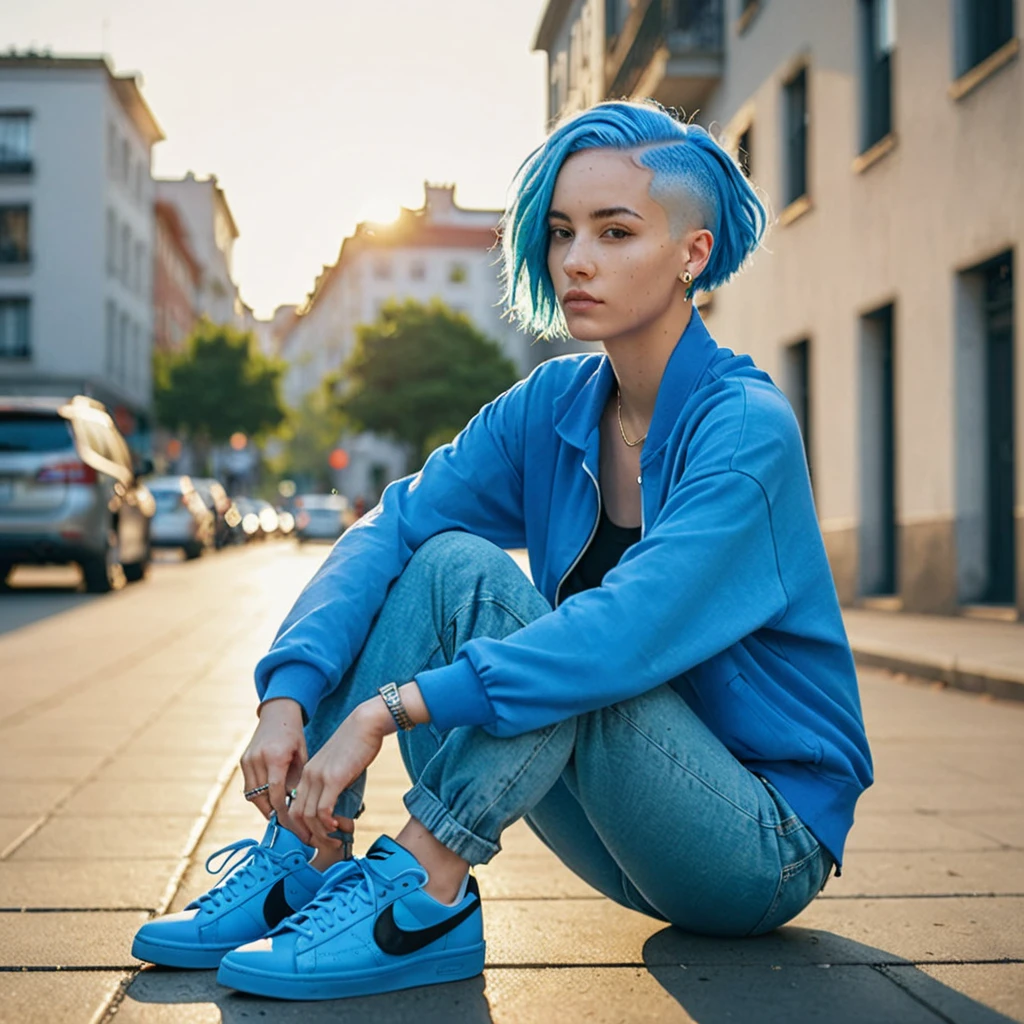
[[608, 211]]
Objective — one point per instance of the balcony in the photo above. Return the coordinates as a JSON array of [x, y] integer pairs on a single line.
[[670, 50]]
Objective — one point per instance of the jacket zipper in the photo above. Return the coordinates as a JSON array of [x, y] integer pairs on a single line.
[[597, 522]]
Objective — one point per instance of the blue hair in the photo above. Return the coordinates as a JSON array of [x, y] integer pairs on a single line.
[[695, 180]]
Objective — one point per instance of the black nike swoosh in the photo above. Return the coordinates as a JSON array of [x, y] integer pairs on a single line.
[[276, 908], [396, 941]]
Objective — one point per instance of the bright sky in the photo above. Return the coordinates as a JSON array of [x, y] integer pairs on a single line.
[[316, 114]]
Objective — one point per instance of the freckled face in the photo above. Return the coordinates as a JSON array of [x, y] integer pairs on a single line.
[[609, 239]]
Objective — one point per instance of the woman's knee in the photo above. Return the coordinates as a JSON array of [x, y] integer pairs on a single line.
[[455, 558]]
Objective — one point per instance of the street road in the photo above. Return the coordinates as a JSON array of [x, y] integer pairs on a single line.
[[121, 720]]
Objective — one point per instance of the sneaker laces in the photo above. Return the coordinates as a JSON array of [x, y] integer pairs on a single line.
[[248, 863], [351, 885]]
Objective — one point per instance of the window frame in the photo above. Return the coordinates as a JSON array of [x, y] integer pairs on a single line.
[[22, 302], [792, 134], [14, 166], [26, 256], [876, 73]]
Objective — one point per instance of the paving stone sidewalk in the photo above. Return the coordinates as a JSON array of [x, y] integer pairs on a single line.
[[132, 760]]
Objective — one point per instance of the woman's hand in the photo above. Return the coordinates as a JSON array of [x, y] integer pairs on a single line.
[[342, 759], [275, 755]]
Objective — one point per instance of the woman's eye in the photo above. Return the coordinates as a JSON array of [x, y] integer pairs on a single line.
[[559, 233], [618, 233]]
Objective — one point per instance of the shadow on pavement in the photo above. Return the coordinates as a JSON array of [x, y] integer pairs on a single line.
[[460, 1002], [23, 605], [801, 974]]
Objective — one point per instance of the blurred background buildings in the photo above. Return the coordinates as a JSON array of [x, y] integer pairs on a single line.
[[889, 137], [886, 134]]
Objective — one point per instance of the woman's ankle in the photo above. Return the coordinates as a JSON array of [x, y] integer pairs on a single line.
[[446, 870]]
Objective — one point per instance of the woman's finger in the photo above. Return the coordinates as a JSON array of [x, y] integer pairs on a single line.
[[254, 775], [311, 818]]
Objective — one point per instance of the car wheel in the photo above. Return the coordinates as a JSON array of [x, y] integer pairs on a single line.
[[136, 571], [193, 550], [104, 572]]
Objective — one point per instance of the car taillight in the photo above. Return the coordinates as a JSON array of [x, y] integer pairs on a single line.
[[70, 472]]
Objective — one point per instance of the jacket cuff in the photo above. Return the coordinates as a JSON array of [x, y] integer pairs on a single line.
[[299, 682], [454, 695]]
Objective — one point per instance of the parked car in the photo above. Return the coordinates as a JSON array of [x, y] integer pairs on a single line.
[[71, 492], [320, 516], [182, 519], [217, 501]]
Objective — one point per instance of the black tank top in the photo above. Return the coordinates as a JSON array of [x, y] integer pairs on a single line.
[[608, 546]]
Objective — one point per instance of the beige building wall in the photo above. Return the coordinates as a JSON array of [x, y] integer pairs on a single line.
[[946, 196], [897, 225]]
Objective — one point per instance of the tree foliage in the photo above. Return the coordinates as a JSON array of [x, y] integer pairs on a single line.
[[419, 373], [308, 435], [218, 384]]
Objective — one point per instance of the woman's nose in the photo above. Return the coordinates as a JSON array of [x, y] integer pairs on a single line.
[[578, 261]]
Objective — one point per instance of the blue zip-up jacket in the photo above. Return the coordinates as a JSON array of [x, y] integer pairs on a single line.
[[728, 594]]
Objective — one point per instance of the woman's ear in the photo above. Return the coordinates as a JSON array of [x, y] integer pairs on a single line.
[[696, 250]]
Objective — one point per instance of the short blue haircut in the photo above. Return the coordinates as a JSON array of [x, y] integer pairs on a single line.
[[695, 180]]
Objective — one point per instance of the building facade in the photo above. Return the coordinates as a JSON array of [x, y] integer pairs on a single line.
[[76, 233], [888, 137], [212, 231], [177, 276], [440, 251]]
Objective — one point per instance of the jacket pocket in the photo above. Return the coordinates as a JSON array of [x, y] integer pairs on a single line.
[[759, 731]]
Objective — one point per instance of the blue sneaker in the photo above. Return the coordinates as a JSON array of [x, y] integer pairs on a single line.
[[271, 881], [370, 929]]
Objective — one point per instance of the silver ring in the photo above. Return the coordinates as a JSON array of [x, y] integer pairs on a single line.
[[249, 794]]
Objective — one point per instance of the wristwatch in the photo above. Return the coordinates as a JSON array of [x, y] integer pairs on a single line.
[[393, 699]]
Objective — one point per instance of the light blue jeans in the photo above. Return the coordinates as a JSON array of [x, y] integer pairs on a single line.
[[639, 799]]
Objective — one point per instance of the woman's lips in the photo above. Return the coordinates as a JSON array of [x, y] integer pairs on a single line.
[[580, 305]]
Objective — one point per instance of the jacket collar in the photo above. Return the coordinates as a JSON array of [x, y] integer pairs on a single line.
[[578, 417]]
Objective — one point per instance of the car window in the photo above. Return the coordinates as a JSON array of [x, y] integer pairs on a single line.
[[29, 432], [167, 501]]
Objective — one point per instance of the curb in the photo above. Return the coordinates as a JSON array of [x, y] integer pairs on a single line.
[[1004, 684]]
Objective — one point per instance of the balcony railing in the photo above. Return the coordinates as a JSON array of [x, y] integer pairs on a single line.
[[686, 27]]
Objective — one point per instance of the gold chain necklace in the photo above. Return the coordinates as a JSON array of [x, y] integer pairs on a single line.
[[625, 440]]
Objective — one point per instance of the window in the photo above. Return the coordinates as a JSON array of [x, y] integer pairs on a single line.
[[796, 119], [982, 27], [126, 248], [112, 151], [797, 370], [122, 349], [878, 39], [139, 269], [14, 234], [417, 270], [458, 273], [111, 336], [111, 243], [15, 143], [743, 150], [612, 21], [14, 328], [126, 159], [877, 550], [382, 269]]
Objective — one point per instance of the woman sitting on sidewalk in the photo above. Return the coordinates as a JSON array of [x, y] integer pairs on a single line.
[[671, 705]]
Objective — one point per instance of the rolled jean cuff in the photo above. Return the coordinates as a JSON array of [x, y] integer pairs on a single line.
[[432, 814]]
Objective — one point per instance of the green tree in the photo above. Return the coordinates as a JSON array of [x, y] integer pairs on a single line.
[[217, 385], [309, 434], [419, 373]]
